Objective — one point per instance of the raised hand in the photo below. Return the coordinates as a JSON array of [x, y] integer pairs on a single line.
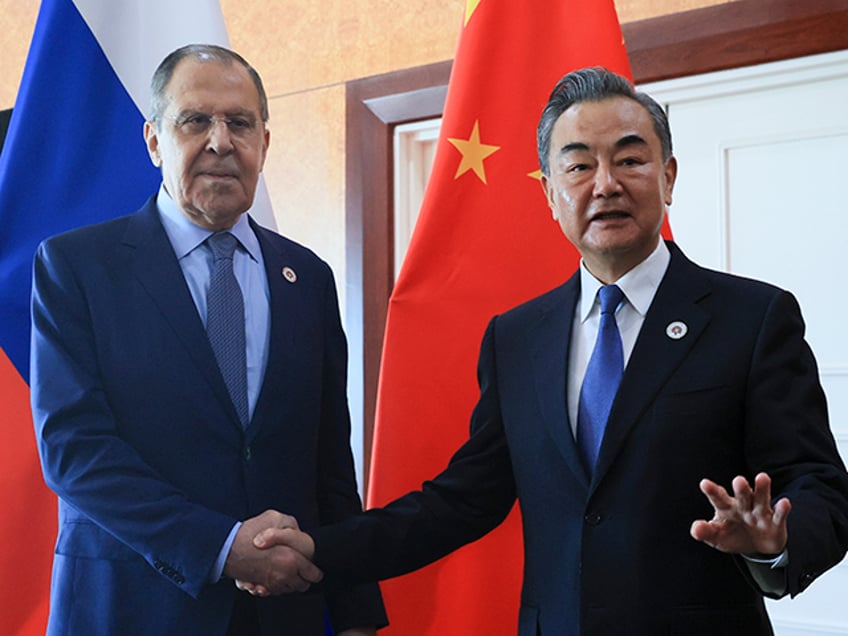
[[746, 522], [277, 569]]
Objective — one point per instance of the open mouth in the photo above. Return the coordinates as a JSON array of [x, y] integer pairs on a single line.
[[610, 216]]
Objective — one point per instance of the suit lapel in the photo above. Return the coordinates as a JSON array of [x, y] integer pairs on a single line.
[[284, 308], [656, 355], [157, 269], [549, 341]]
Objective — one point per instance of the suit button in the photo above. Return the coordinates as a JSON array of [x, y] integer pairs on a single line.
[[247, 454], [592, 518]]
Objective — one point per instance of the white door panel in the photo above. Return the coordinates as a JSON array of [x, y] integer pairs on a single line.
[[761, 192]]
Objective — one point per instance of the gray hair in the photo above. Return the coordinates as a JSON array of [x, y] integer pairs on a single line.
[[203, 53], [594, 85]]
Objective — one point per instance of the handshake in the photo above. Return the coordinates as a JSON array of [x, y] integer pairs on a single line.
[[270, 555]]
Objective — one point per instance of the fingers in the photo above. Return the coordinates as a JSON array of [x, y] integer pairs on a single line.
[[718, 496], [282, 571], [781, 510], [309, 572], [293, 538], [742, 493], [274, 519], [702, 531], [275, 569], [744, 522]]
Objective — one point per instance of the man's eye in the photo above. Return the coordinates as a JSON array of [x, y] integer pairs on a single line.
[[239, 123], [195, 123]]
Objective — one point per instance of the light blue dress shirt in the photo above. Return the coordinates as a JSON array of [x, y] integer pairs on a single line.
[[195, 259]]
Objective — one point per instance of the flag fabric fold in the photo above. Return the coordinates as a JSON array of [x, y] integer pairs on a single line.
[[484, 241], [74, 155]]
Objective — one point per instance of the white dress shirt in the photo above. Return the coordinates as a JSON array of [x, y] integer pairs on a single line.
[[639, 286]]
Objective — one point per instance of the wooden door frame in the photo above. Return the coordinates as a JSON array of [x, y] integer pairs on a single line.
[[730, 35]]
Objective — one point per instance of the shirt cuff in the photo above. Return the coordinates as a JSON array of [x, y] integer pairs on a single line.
[[218, 567], [780, 561], [769, 573]]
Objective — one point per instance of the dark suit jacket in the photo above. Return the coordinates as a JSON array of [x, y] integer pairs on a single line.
[[738, 394], [140, 441]]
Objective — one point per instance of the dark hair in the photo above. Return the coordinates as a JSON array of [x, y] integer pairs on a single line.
[[203, 53], [594, 85]]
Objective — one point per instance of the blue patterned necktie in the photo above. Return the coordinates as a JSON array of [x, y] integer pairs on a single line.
[[603, 375], [225, 320]]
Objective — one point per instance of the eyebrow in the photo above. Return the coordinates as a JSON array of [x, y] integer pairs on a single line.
[[627, 140], [630, 140]]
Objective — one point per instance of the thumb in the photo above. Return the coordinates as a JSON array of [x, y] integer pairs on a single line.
[[264, 538]]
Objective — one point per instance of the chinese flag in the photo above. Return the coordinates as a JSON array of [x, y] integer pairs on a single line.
[[484, 242]]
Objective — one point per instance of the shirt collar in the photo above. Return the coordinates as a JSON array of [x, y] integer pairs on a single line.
[[185, 236], [639, 285]]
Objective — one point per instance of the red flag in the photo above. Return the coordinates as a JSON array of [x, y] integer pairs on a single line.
[[28, 531], [484, 241]]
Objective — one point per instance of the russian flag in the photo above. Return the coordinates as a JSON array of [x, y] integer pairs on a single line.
[[74, 155]]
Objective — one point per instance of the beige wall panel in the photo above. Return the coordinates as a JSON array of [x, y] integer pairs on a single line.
[[630, 10], [302, 44], [17, 21], [304, 172]]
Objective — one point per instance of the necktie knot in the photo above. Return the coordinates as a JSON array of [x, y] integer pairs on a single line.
[[611, 297], [223, 245]]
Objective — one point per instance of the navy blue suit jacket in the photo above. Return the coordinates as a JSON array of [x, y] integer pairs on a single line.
[[139, 439], [739, 394]]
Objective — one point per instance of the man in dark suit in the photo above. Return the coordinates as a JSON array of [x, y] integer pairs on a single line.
[[717, 383], [167, 455]]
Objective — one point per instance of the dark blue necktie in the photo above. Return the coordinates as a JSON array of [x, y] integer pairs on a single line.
[[603, 375], [225, 321]]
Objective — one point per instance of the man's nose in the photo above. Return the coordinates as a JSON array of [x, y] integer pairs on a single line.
[[220, 138], [606, 182]]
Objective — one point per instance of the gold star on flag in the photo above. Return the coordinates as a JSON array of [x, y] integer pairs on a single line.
[[473, 153], [536, 174], [470, 6]]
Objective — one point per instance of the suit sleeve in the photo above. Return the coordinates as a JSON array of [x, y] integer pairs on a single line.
[[468, 499], [350, 604], [84, 459], [788, 437]]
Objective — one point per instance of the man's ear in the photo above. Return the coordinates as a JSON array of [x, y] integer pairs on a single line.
[[151, 139], [547, 189], [267, 138], [670, 171]]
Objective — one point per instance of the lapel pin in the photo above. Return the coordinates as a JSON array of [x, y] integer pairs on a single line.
[[289, 275], [676, 330]]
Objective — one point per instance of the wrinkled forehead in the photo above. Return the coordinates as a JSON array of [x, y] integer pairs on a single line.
[[212, 85], [610, 122]]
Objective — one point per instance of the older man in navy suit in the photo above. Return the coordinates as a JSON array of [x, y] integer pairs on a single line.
[[607, 403], [183, 392]]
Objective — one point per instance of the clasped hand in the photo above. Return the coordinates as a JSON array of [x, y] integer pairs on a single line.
[[277, 568]]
